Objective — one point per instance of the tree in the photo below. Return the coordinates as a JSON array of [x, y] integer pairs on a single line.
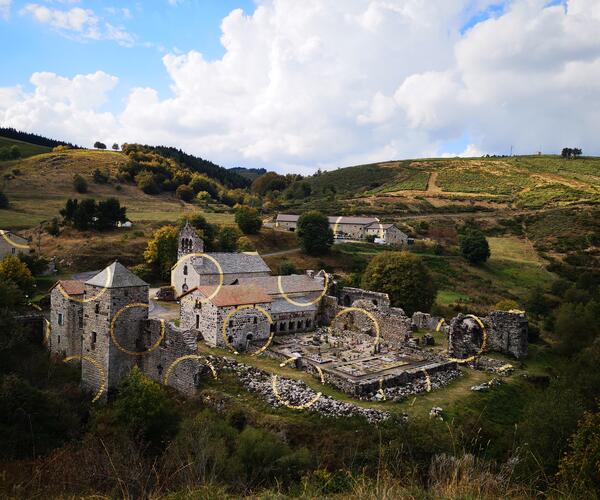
[[227, 239], [161, 252], [53, 229], [248, 220], [80, 184], [244, 244], [474, 246], [115, 147], [100, 177], [286, 268], [203, 197], [83, 218], [108, 213], [316, 237], [404, 277], [144, 408], [15, 152], [99, 145], [4, 203], [13, 269], [270, 181], [185, 193]]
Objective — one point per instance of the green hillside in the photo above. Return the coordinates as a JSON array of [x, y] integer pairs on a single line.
[[25, 148]]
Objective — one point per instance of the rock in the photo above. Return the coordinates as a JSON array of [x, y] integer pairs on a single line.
[[436, 412]]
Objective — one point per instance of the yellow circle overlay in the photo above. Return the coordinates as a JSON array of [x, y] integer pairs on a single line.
[[184, 358], [97, 296], [226, 319], [47, 330], [98, 366], [217, 265], [4, 235], [302, 304], [363, 311], [127, 351], [303, 406], [427, 380], [440, 324], [483, 342]]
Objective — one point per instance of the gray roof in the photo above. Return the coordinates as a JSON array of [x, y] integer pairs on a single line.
[[232, 263], [279, 306], [116, 276], [295, 283], [333, 219]]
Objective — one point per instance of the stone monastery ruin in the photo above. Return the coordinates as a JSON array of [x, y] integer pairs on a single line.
[[352, 339]]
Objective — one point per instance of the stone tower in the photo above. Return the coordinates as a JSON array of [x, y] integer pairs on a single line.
[[189, 241], [107, 293]]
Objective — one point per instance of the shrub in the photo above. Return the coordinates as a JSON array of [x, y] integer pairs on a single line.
[[147, 182], [244, 244], [80, 184], [4, 203], [286, 268], [227, 239], [53, 229], [248, 220], [15, 270], [185, 193], [506, 305], [100, 177]]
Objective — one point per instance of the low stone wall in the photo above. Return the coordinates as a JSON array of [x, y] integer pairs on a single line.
[[348, 296], [425, 321]]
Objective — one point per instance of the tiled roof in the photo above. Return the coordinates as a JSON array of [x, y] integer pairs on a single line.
[[280, 305], [377, 225], [231, 263], [235, 295], [71, 287], [295, 283], [116, 276]]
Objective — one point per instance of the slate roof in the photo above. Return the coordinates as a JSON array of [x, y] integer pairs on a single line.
[[11, 235], [295, 283], [333, 219], [70, 287], [280, 305], [231, 263], [376, 225], [235, 295], [116, 276]]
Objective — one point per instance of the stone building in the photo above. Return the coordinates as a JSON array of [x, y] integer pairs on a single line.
[[12, 244], [192, 271], [388, 233], [66, 318], [348, 226]]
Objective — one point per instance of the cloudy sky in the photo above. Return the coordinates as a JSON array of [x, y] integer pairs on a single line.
[[296, 85]]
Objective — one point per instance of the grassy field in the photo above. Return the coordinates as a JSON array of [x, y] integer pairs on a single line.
[[25, 148], [45, 181]]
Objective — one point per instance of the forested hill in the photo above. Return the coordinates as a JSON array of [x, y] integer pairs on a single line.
[[227, 177], [11, 133]]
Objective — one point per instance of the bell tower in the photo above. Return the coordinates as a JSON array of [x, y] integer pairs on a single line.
[[189, 241]]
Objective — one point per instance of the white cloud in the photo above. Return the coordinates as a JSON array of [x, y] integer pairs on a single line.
[[321, 84], [5, 9], [79, 23]]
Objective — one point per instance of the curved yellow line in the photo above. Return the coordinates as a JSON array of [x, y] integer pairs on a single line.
[[127, 351]]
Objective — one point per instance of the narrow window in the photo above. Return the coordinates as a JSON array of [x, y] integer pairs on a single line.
[[308, 323], [97, 308], [61, 319], [230, 323], [58, 339], [13, 250], [197, 321], [291, 326], [255, 320], [80, 319], [185, 271], [94, 338]]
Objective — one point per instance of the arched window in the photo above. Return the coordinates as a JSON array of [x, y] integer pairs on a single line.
[[185, 270]]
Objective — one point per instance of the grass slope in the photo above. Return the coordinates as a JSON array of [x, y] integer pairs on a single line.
[[26, 148]]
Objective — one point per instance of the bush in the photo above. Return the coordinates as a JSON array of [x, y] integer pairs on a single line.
[[474, 246], [100, 177], [147, 182], [227, 239], [286, 268], [248, 220], [404, 277], [4, 203], [244, 244], [80, 184], [13, 269], [53, 229], [185, 193], [143, 407]]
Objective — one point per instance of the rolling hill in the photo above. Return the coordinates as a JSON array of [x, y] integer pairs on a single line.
[[27, 149]]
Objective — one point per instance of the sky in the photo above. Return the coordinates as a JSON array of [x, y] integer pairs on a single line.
[[294, 86]]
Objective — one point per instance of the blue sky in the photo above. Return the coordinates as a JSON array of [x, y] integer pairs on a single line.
[[306, 84], [157, 26]]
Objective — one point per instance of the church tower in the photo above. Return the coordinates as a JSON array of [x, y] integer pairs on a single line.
[[189, 241], [107, 296]]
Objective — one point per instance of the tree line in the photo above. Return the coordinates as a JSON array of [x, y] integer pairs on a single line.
[[40, 140]]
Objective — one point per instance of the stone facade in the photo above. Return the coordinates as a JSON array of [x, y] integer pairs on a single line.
[[66, 319], [506, 332], [390, 234], [7, 238], [348, 296]]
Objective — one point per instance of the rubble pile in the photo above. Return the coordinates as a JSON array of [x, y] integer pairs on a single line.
[[422, 384], [295, 393]]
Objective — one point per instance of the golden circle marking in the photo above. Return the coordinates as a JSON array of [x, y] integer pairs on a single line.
[[183, 358], [95, 297], [303, 406], [127, 351], [483, 342], [47, 330], [381, 391], [98, 366], [217, 265], [441, 323], [4, 235], [427, 380], [225, 324], [364, 311], [303, 304]]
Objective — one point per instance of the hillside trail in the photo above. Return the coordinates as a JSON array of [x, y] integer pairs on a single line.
[[432, 186]]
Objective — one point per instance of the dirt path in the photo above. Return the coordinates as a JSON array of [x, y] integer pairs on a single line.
[[282, 252], [432, 186]]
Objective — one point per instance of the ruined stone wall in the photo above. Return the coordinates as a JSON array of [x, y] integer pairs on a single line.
[[348, 295], [66, 335], [185, 374], [506, 333], [425, 321]]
